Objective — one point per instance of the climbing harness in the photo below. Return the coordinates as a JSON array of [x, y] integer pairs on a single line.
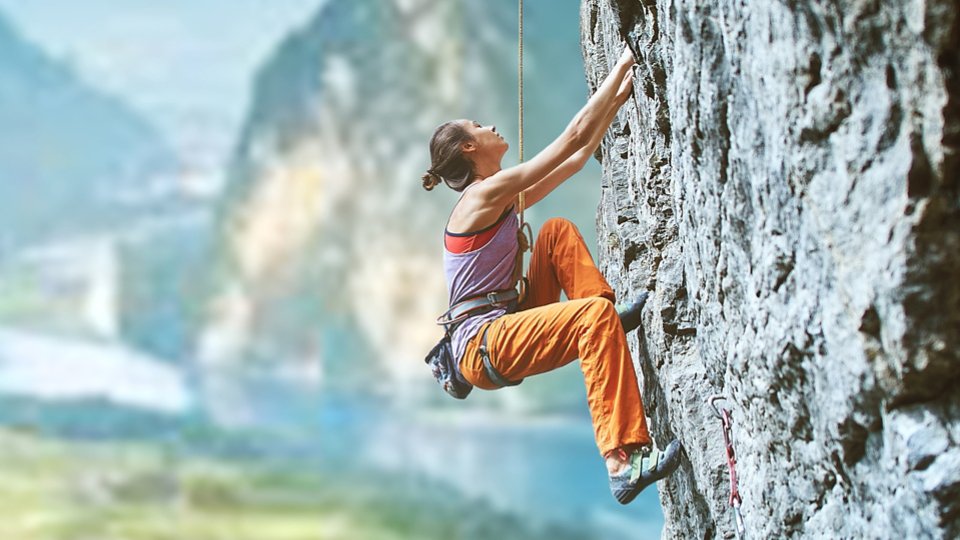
[[440, 358], [525, 233], [724, 415], [475, 305]]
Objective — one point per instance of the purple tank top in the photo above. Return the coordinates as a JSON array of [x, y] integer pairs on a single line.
[[480, 271]]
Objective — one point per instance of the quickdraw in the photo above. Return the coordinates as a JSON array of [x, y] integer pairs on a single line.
[[724, 415]]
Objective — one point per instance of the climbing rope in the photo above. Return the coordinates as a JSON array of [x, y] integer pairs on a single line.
[[520, 87], [724, 415], [525, 234]]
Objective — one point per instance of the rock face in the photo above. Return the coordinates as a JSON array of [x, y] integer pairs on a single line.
[[785, 182]]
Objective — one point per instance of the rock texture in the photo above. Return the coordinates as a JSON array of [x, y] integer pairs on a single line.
[[785, 182]]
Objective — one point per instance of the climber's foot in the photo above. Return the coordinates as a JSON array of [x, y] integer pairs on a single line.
[[630, 314], [647, 465]]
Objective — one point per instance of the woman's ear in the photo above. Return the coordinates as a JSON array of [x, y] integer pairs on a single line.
[[468, 147]]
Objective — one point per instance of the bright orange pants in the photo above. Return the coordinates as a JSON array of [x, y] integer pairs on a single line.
[[546, 334]]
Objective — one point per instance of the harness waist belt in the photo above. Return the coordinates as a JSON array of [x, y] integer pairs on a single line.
[[471, 306]]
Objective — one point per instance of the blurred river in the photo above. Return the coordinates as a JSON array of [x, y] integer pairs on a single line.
[[544, 469]]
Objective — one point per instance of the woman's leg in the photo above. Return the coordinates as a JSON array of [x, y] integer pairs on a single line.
[[562, 262], [544, 338]]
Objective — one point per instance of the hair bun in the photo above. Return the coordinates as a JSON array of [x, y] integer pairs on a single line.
[[430, 180]]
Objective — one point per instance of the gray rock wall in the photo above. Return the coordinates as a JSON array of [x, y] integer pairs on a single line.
[[785, 182]]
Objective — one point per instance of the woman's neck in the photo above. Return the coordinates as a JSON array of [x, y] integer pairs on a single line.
[[486, 170]]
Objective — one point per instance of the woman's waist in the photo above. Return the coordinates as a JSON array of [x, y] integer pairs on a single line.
[[466, 330]]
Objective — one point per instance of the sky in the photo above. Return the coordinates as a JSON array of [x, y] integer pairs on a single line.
[[186, 65]]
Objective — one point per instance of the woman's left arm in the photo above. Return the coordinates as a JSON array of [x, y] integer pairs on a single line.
[[535, 193], [575, 162]]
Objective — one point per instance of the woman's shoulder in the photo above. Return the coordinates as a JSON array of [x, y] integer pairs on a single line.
[[473, 212], [477, 221]]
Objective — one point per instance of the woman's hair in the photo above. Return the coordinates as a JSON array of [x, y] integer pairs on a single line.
[[447, 161]]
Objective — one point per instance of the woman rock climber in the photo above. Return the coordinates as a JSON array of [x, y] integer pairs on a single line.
[[541, 333]]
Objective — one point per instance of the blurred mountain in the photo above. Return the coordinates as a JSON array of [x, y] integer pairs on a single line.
[[72, 159], [100, 232], [332, 250]]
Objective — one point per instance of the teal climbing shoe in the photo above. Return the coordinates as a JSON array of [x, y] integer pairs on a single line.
[[647, 465], [630, 313]]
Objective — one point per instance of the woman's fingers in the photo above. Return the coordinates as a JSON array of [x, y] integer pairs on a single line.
[[626, 57], [626, 86]]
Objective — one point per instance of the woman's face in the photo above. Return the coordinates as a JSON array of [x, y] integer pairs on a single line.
[[488, 143]]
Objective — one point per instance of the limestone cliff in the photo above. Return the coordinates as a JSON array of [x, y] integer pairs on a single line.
[[785, 183]]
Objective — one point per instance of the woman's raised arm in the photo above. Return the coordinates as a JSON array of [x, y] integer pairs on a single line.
[[586, 129], [575, 163]]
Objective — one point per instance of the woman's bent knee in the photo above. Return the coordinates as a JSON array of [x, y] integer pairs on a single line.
[[557, 224], [600, 309]]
